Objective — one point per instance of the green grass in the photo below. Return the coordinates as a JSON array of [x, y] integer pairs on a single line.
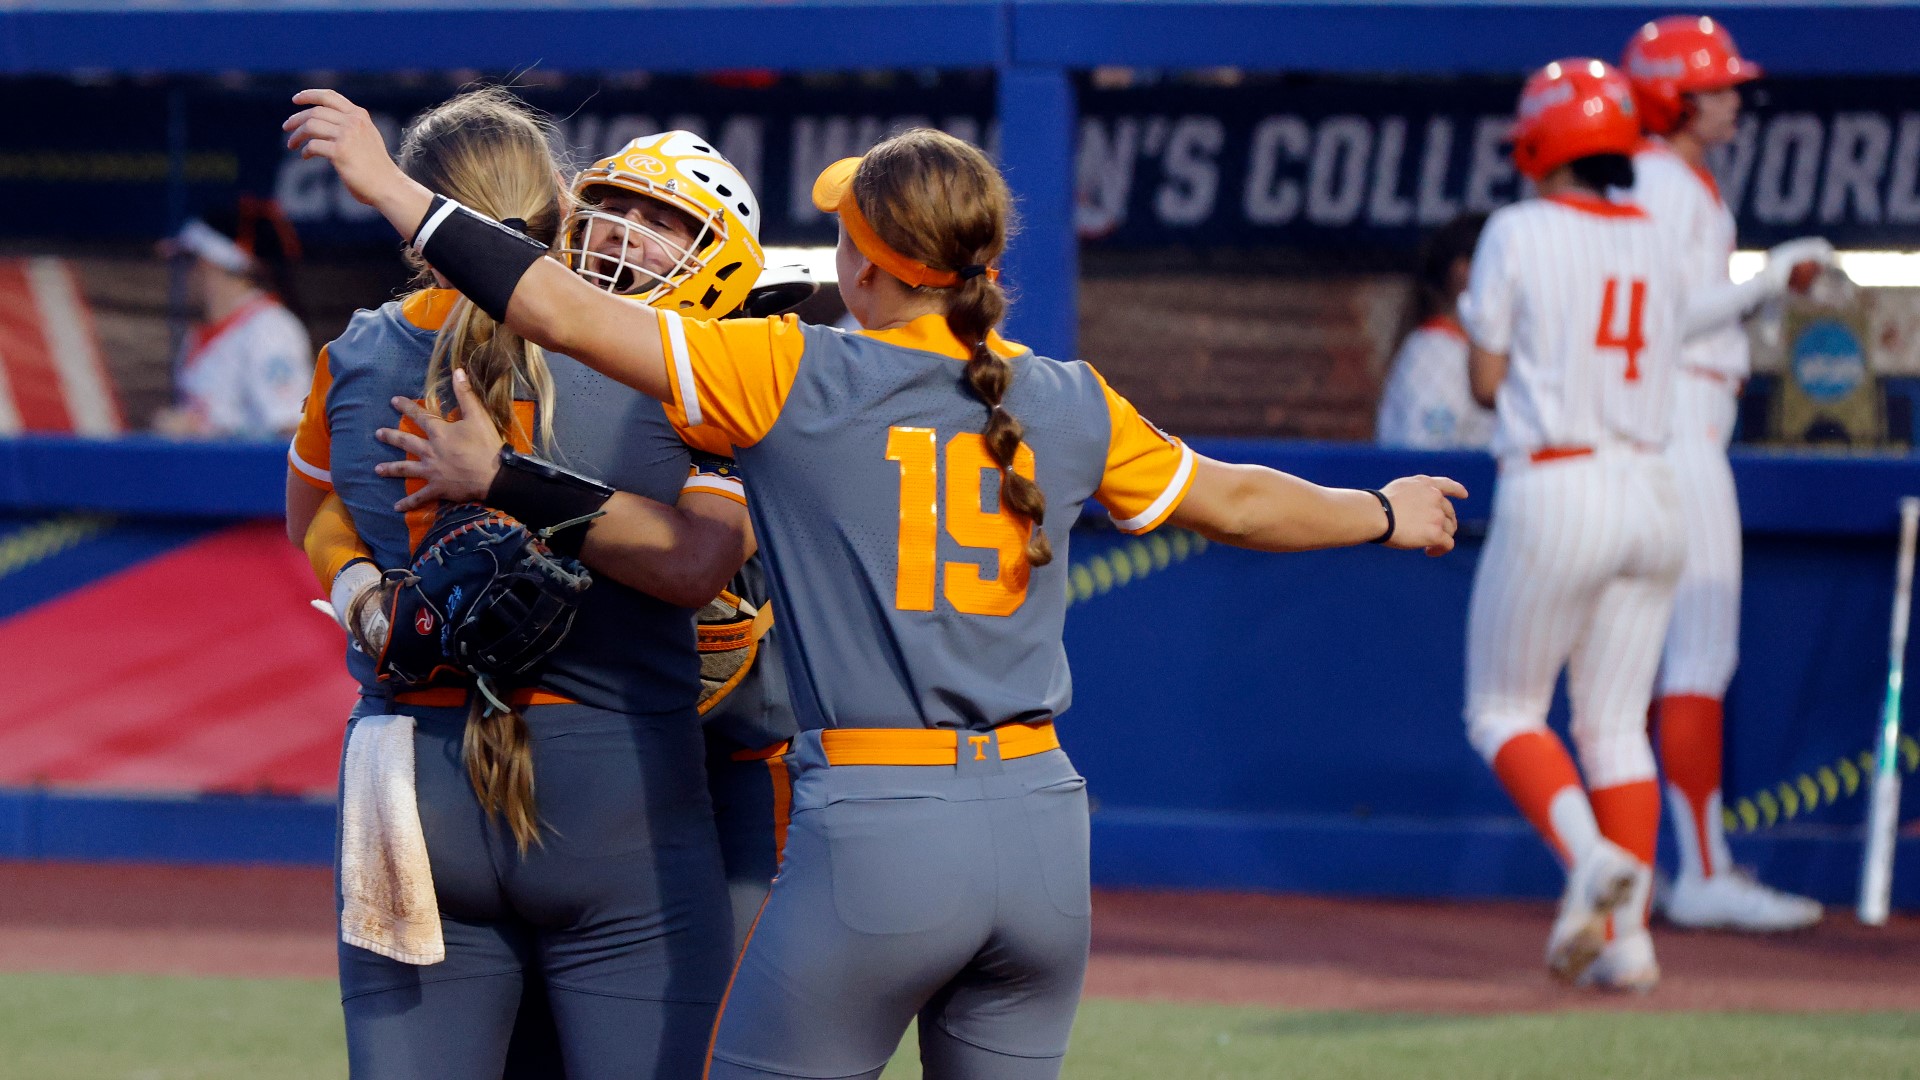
[[126, 1027], [150, 1027], [1116, 1040]]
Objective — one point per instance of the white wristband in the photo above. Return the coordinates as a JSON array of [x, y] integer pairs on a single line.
[[348, 584]]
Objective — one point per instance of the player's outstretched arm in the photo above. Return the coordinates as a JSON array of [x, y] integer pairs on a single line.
[[1712, 308], [683, 554], [500, 270], [1254, 507]]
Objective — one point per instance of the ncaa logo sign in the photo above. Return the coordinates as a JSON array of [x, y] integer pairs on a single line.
[[1828, 362]]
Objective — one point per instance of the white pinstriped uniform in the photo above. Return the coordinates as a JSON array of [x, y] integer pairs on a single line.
[[1427, 403], [1585, 547], [1703, 641]]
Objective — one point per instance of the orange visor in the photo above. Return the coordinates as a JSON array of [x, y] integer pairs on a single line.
[[833, 194]]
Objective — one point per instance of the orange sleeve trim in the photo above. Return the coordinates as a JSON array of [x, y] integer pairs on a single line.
[[318, 478], [1148, 472], [732, 375], [1169, 500], [311, 451]]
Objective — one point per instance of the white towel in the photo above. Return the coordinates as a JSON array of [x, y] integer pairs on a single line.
[[386, 883]]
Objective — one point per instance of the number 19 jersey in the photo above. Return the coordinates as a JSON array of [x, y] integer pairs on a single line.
[[1583, 296], [901, 589]]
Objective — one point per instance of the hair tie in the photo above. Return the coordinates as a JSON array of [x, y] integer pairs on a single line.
[[968, 273], [518, 225]]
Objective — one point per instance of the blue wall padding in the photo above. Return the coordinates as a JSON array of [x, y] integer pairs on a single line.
[[1244, 720]]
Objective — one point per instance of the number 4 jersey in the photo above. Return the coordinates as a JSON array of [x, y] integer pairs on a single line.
[[901, 590], [1583, 296]]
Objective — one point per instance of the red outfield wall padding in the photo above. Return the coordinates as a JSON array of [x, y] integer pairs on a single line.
[[201, 670]]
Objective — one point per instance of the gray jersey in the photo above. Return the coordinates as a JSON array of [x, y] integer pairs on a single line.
[[628, 651], [900, 592]]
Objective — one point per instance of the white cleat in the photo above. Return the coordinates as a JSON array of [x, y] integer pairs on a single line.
[[1597, 886], [1625, 963], [1733, 900]]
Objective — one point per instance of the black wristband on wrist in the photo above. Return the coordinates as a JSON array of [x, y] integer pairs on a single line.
[[542, 494], [477, 255], [1385, 504]]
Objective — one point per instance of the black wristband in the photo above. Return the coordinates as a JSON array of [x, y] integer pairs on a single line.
[[477, 255], [542, 495], [1385, 504]]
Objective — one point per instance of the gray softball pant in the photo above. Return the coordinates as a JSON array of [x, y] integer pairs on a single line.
[[954, 894], [623, 909]]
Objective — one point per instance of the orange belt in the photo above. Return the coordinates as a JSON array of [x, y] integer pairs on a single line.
[[765, 753], [457, 695], [1559, 453], [932, 746]]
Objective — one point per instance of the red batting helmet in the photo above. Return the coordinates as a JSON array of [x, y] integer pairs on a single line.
[[1573, 109], [1676, 56]]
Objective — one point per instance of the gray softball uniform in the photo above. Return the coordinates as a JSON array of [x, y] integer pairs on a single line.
[[623, 910], [936, 861]]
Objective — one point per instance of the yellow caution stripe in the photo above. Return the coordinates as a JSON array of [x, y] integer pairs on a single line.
[[1825, 785], [1101, 574]]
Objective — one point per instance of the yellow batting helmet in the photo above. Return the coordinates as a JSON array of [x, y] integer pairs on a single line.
[[712, 275]]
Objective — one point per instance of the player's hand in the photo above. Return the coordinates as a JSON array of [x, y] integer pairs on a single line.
[[458, 459], [1795, 264], [336, 129], [1423, 517]]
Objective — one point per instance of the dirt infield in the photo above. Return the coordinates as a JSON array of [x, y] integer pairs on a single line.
[[1285, 951]]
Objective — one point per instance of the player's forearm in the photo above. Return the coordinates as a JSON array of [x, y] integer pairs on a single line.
[[1712, 308], [1264, 509], [663, 551], [510, 278]]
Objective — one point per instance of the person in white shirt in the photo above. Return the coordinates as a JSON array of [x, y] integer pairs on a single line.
[[246, 366], [1686, 74], [1427, 404], [1573, 311]]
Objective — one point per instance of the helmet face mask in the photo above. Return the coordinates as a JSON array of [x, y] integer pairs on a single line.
[[607, 247], [608, 240]]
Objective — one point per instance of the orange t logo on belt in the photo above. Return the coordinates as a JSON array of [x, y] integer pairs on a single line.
[[979, 746]]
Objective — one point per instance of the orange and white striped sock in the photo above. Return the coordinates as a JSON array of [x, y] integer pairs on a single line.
[[1540, 777], [1691, 740]]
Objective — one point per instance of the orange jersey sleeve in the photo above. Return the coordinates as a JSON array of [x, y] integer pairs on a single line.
[[311, 455], [1148, 471], [332, 542], [729, 375]]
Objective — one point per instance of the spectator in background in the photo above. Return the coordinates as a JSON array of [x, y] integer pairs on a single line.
[[1427, 404], [246, 365]]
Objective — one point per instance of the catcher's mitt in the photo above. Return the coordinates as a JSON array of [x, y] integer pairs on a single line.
[[485, 598]]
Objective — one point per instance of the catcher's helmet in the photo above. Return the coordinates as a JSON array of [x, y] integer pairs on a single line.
[[1679, 55], [711, 276], [1573, 109]]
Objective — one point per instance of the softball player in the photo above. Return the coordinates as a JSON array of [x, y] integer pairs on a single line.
[[619, 898], [936, 862], [649, 226], [242, 368], [1427, 404], [1574, 313], [1686, 75]]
